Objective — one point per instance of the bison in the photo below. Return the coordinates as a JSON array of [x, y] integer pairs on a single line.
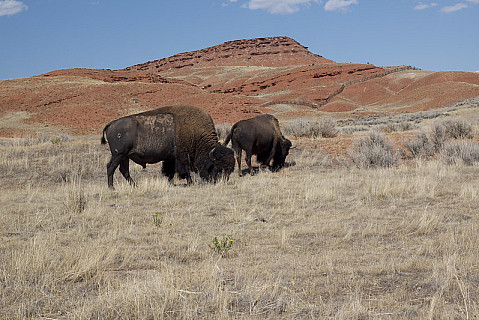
[[183, 137], [260, 136]]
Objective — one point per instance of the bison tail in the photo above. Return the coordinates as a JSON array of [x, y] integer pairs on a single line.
[[228, 138], [103, 139]]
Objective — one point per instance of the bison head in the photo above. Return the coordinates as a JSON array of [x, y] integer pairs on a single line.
[[220, 163], [281, 154]]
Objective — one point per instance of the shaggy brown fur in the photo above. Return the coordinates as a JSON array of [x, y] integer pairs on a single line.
[[183, 137], [196, 138], [261, 136]]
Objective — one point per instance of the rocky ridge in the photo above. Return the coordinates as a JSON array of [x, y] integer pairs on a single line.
[[265, 52]]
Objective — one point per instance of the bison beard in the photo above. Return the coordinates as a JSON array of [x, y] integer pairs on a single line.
[[183, 137]]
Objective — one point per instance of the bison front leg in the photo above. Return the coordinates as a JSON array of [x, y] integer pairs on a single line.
[[272, 152], [168, 169], [183, 172], [125, 170]]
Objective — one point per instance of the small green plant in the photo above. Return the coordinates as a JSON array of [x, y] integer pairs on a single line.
[[222, 245], [157, 220], [56, 140]]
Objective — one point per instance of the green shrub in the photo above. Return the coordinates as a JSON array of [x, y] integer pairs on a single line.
[[157, 220], [222, 245]]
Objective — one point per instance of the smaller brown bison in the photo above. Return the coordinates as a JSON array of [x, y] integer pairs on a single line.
[[183, 137], [260, 136]]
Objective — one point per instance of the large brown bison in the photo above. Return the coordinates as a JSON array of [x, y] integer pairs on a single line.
[[260, 136], [183, 137]]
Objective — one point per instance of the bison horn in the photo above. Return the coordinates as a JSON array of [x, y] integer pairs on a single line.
[[211, 155], [293, 147]]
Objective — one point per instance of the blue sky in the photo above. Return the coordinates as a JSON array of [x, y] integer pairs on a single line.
[[38, 36]]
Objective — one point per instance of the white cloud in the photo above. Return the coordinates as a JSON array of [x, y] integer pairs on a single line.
[[11, 7], [473, 1], [422, 6], [334, 5], [454, 8], [278, 6]]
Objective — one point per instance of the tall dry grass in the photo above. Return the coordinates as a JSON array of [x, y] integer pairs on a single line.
[[314, 241]]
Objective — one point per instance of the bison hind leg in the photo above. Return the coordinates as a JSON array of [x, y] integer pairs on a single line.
[[111, 167], [249, 155], [125, 170], [238, 160]]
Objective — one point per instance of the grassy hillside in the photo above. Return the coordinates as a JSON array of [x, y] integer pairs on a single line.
[[324, 238]]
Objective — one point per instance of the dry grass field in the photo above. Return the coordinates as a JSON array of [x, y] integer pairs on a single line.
[[323, 239]]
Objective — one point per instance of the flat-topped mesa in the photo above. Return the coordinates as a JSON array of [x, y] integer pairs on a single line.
[[267, 52]]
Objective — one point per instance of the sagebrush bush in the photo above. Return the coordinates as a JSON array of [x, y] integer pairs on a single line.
[[436, 141], [467, 151], [326, 128], [400, 126], [298, 128], [390, 127], [373, 151], [437, 136], [350, 130], [457, 129], [420, 145]]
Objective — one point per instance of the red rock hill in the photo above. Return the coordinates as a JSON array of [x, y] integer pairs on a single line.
[[232, 81], [265, 52]]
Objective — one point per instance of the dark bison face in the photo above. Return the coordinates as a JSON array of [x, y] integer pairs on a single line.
[[281, 154], [222, 163]]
